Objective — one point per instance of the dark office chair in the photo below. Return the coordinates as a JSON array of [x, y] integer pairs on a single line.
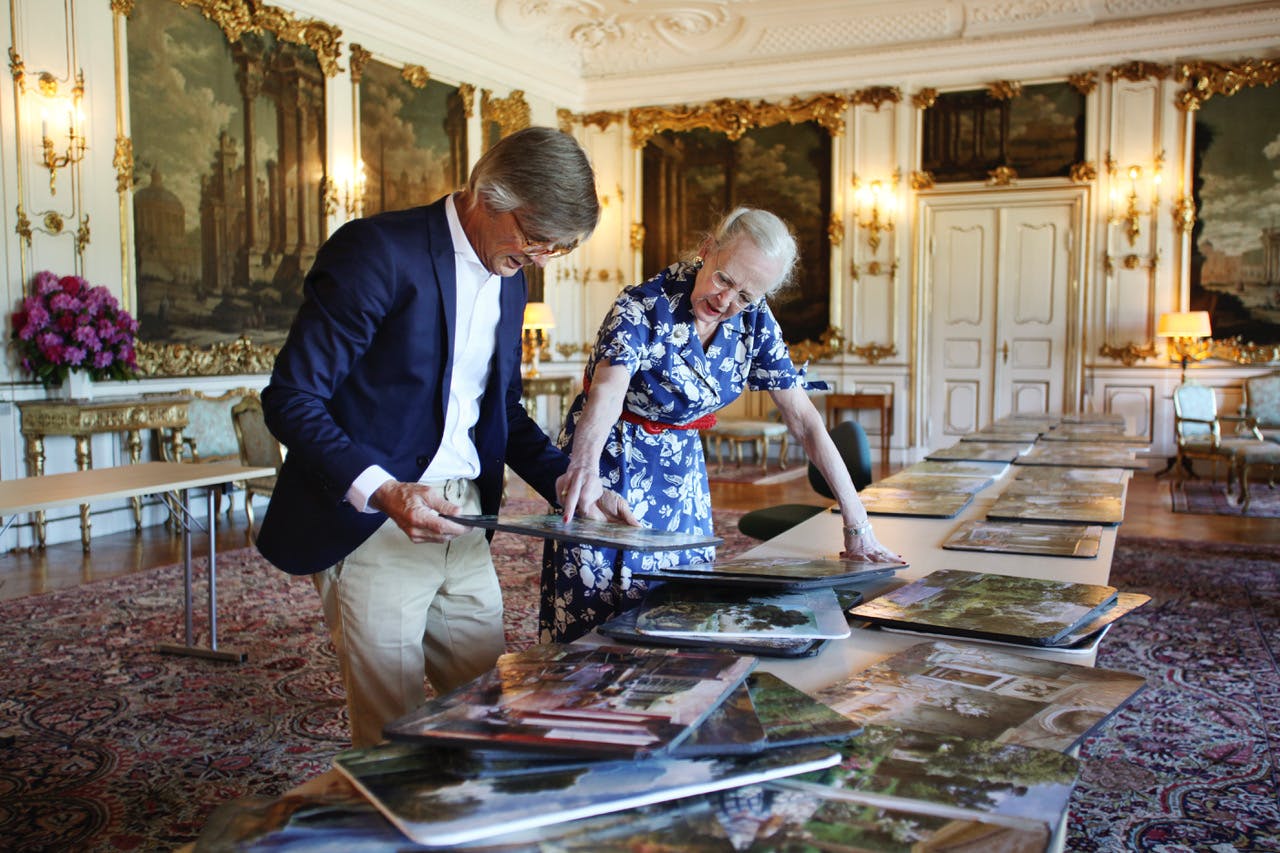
[[851, 441]]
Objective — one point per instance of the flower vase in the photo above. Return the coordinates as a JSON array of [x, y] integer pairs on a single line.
[[77, 386]]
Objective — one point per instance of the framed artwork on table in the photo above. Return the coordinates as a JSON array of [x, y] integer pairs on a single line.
[[227, 119], [1235, 238]]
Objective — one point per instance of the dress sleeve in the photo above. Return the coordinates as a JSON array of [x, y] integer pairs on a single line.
[[771, 368], [627, 332]]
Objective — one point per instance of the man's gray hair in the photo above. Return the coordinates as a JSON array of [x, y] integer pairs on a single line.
[[546, 176], [767, 232]]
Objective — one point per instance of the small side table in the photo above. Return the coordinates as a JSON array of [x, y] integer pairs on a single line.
[[877, 401], [82, 418]]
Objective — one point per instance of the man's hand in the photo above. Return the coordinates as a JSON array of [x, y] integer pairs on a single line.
[[578, 490], [416, 509]]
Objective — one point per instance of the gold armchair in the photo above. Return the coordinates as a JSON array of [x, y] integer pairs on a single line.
[[258, 447], [210, 435], [1198, 430], [1262, 405]]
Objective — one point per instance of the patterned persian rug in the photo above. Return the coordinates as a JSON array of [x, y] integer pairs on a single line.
[[1202, 497], [120, 748]]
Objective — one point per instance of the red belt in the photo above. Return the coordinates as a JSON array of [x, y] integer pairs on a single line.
[[655, 427]]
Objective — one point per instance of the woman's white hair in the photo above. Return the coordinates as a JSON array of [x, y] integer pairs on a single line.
[[767, 232]]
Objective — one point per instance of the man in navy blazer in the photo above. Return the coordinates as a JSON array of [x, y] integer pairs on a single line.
[[397, 395]]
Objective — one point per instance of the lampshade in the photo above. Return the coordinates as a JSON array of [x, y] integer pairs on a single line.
[[1184, 324], [537, 315]]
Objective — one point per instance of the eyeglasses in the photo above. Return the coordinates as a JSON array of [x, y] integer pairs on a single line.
[[721, 283], [541, 248]]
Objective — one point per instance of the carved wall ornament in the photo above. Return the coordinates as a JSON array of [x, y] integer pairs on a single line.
[[241, 356], [874, 268], [467, 92], [829, 344], [921, 181], [602, 120], [1184, 214], [123, 162], [23, 226], [359, 59], [510, 113], [924, 99], [1084, 83], [1004, 90], [82, 235], [53, 222], [637, 236], [876, 96], [874, 353], [734, 117], [1241, 352], [1138, 71], [1129, 354], [1206, 79], [1083, 173], [122, 7], [237, 17], [1002, 176], [835, 229], [416, 76]]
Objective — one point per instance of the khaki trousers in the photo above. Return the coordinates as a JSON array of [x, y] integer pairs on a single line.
[[398, 610]]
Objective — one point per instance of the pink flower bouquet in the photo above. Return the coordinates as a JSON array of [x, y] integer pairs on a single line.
[[67, 324]]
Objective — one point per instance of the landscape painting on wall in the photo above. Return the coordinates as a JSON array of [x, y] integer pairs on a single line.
[[413, 138], [228, 144], [1235, 263]]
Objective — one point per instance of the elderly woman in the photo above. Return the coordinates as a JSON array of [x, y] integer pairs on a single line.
[[672, 351]]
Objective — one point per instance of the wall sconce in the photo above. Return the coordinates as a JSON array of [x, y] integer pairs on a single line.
[[54, 112], [538, 322], [874, 206], [346, 190], [1186, 331], [1142, 199]]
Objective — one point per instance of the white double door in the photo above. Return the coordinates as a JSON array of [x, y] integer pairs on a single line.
[[1002, 306]]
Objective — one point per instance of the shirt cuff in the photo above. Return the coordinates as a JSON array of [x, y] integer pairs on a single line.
[[369, 481]]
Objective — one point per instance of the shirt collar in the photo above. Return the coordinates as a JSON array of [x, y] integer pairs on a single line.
[[462, 247]]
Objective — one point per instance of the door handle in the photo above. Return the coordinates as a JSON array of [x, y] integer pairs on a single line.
[[1004, 353]]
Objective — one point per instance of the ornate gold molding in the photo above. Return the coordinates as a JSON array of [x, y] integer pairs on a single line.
[[18, 69], [637, 236], [874, 353], [829, 344], [82, 235], [877, 96], [921, 180], [602, 120], [23, 226], [416, 76], [359, 59], [510, 113], [734, 117], [1004, 90], [924, 99], [221, 359], [1083, 173], [1234, 349], [1138, 71], [53, 222], [1084, 83], [122, 7], [835, 229], [123, 161], [467, 92], [1184, 214], [874, 268], [237, 17], [1002, 176], [1206, 79], [1129, 354]]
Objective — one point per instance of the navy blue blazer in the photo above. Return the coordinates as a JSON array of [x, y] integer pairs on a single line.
[[363, 379]]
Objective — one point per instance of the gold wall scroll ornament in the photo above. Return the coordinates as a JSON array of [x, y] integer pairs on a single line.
[[1129, 354], [876, 96], [569, 350], [416, 76], [1002, 176], [873, 353], [921, 180], [1206, 79], [359, 58], [835, 229], [1136, 72], [1083, 173], [637, 236], [1184, 214], [874, 268], [241, 356], [23, 226], [510, 113], [467, 93], [122, 159], [53, 222], [82, 234], [237, 17], [602, 120], [829, 344], [1004, 90], [122, 7], [1084, 83], [734, 117], [924, 99], [1241, 352]]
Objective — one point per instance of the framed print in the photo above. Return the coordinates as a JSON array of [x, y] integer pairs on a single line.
[[227, 116], [1235, 241]]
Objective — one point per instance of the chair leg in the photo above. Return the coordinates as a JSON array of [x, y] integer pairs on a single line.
[[248, 506], [782, 453]]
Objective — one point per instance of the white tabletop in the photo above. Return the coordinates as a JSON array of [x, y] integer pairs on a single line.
[[919, 541], [30, 494]]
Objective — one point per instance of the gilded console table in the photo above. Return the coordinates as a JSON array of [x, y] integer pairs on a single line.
[[561, 388], [81, 419]]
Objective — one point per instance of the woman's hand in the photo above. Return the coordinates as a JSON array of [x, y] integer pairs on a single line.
[[861, 545]]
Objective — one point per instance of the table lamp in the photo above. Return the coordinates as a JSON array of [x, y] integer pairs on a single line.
[[1185, 329], [538, 320]]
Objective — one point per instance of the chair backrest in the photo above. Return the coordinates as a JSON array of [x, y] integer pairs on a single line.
[[209, 425], [1262, 399], [257, 445], [851, 440], [1195, 410]]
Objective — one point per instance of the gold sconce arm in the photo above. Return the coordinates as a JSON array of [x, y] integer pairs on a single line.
[[1142, 198], [874, 208]]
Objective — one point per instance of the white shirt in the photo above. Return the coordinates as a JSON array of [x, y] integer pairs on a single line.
[[474, 342]]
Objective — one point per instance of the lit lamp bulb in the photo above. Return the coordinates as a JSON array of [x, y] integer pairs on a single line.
[[1185, 329], [538, 321]]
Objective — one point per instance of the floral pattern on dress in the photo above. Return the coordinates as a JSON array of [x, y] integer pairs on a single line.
[[662, 476]]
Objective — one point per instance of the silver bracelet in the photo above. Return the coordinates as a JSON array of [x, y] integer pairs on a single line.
[[858, 529]]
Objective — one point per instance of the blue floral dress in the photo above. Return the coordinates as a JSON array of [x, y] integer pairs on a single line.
[[662, 475]]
